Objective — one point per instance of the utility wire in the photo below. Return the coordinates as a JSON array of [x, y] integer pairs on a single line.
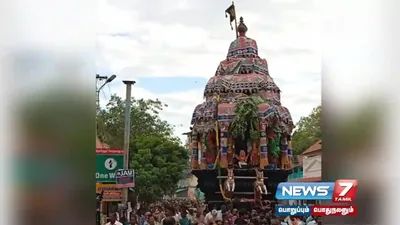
[[101, 128], [106, 94]]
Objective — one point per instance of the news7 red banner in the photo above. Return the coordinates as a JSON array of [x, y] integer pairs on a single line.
[[343, 210]]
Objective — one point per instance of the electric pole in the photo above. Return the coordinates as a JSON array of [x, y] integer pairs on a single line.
[[127, 132]]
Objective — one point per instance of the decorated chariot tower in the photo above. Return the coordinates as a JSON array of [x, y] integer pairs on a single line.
[[242, 125]]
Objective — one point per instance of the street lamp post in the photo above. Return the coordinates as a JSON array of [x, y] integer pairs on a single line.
[[99, 196], [108, 80], [127, 129]]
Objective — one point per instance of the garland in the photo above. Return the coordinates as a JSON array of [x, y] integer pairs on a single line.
[[205, 142], [274, 144]]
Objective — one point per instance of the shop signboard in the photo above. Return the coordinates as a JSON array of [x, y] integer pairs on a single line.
[[125, 178], [111, 193], [108, 161]]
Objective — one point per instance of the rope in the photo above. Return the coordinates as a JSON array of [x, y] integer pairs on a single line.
[[223, 194], [216, 159], [217, 138], [217, 133], [216, 124], [222, 189]]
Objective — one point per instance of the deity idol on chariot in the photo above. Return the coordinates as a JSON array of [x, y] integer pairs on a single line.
[[241, 123]]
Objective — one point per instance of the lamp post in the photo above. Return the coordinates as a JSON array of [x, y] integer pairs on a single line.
[[99, 196], [127, 130], [108, 80]]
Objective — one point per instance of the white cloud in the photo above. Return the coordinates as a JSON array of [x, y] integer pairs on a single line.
[[113, 19], [284, 1], [180, 105], [190, 38]]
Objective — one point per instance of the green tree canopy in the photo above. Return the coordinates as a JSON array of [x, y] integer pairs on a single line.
[[308, 131], [159, 164], [145, 120], [156, 154]]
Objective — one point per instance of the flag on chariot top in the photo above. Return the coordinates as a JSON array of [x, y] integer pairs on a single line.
[[232, 14]]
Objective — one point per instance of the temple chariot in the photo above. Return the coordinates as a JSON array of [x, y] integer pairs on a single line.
[[241, 134]]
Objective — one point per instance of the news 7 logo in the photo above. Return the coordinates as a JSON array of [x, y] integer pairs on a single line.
[[340, 191], [345, 191]]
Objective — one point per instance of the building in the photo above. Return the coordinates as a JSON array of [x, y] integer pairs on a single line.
[[100, 144], [188, 184], [187, 188], [309, 168]]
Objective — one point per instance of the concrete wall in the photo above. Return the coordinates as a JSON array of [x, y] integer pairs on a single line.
[[192, 183], [312, 166]]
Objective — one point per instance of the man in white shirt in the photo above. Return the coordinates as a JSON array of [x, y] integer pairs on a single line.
[[211, 216], [286, 221], [113, 220], [221, 212], [312, 222]]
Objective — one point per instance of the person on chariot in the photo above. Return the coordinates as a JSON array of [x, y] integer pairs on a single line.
[[242, 158]]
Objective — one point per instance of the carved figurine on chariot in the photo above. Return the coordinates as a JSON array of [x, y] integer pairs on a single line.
[[208, 148], [285, 163], [203, 161], [229, 183], [259, 186], [255, 156], [230, 153], [211, 147], [242, 158]]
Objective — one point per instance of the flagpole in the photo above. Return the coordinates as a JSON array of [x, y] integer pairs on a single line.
[[236, 26]]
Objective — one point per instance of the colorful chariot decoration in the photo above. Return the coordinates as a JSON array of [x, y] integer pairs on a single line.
[[242, 123]]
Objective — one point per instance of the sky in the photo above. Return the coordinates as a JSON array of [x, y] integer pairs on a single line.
[[171, 50]]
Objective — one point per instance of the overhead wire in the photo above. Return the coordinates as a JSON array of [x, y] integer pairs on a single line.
[[101, 128]]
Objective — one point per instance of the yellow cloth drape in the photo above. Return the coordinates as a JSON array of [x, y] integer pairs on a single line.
[[217, 125], [217, 159], [223, 193], [217, 133]]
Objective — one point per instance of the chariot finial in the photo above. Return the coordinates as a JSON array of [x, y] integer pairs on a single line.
[[242, 28]]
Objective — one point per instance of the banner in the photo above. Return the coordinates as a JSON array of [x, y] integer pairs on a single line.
[[111, 193], [125, 178]]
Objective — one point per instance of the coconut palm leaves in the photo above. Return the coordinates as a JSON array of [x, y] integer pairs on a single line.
[[246, 121]]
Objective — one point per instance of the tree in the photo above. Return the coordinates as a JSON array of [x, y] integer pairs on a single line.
[[156, 154], [159, 164], [308, 131], [145, 120]]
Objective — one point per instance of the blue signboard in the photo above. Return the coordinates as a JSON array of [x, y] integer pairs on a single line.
[[125, 178]]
